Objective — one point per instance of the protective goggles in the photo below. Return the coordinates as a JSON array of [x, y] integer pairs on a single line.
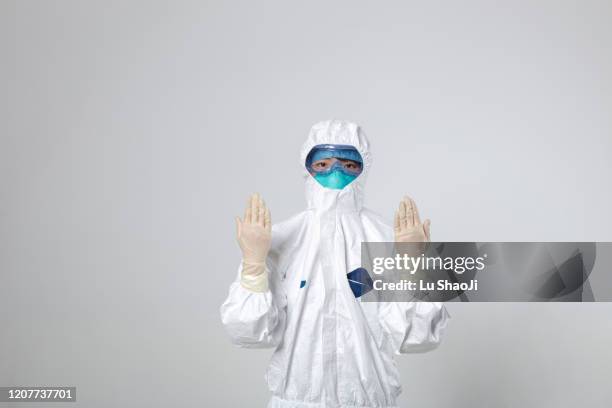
[[324, 159]]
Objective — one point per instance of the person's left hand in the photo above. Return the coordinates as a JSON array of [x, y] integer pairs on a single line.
[[407, 226]]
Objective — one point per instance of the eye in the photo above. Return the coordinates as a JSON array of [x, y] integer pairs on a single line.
[[320, 165], [350, 165]]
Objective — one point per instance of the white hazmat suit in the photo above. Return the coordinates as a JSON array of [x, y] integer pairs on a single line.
[[332, 349]]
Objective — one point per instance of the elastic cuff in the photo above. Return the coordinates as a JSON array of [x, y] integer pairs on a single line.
[[254, 277]]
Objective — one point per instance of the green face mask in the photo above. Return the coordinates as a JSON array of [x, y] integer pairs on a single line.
[[335, 179]]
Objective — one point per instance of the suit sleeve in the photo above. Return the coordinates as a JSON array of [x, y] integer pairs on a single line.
[[255, 319], [414, 327]]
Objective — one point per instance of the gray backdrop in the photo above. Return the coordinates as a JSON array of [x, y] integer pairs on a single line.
[[132, 133]]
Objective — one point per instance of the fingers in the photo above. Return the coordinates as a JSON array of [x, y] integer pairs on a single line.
[[412, 216], [254, 208], [238, 226], [402, 215], [416, 219], [268, 220], [406, 213], [409, 211], [256, 212], [247, 213], [396, 222], [261, 216], [426, 229]]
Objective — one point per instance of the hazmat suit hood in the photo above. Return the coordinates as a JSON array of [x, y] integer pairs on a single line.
[[336, 132]]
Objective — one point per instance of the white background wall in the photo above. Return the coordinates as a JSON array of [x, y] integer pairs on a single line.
[[132, 133]]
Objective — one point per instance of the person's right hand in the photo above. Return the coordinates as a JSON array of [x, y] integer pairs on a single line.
[[254, 231]]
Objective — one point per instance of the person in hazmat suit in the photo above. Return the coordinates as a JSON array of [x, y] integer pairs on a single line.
[[292, 291]]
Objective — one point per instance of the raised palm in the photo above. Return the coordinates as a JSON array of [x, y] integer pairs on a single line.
[[407, 225]]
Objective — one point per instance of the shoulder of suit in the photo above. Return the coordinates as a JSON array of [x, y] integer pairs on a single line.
[[375, 218], [288, 230]]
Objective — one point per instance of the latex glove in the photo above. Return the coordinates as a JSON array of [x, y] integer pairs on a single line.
[[407, 226], [254, 235]]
